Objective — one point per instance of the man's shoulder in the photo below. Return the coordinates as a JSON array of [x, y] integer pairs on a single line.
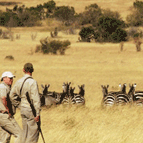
[[2, 85]]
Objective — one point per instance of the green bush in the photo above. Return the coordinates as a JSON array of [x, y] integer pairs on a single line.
[[119, 35], [110, 30], [51, 5], [86, 32], [53, 46], [65, 14]]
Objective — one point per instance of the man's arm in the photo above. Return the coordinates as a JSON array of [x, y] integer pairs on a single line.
[[14, 96], [35, 97], [4, 101]]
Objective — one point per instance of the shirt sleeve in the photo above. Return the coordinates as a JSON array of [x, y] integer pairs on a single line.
[[14, 95], [35, 97], [3, 94]]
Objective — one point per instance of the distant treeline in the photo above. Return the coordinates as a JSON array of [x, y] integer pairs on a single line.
[[105, 25], [8, 3]]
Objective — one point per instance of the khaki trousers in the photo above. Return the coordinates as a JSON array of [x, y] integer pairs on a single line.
[[30, 128], [8, 127]]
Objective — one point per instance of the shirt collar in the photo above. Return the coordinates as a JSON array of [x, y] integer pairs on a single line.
[[27, 75], [6, 85]]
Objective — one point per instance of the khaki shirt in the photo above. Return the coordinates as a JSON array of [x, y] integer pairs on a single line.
[[4, 91], [30, 86]]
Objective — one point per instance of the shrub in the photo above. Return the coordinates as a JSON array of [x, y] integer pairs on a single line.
[[65, 14], [110, 30], [9, 57], [51, 5], [86, 32], [136, 16], [90, 15], [119, 35], [53, 46]]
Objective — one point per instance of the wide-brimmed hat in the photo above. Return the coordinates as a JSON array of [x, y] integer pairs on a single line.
[[7, 74]]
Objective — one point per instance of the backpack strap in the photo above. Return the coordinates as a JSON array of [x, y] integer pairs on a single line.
[[23, 83]]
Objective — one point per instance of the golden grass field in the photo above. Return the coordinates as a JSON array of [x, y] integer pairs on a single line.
[[92, 64]]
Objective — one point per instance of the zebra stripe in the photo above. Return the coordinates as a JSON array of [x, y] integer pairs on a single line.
[[109, 99], [65, 98], [122, 98], [138, 98], [78, 98]]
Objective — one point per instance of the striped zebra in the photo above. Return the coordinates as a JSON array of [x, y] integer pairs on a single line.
[[132, 91], [109, 99], [137, 97], [122, 98], [78, 98], [65, 98]]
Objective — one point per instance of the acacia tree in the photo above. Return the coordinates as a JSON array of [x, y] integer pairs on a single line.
[[65, 14], [50, 6], [90, 15], [136, 16]]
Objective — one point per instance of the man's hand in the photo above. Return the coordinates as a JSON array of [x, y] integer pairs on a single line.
[[37, 118]]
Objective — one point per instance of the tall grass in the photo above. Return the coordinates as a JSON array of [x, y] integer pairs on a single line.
[[91, 64]]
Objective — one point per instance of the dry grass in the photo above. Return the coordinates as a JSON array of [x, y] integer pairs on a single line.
[[92, 64]]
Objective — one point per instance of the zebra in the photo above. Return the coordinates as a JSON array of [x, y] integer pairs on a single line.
[[49, 98], [122, 98], [78, 98], [132, 91], [109, 99], [137, 97], [65, 98]]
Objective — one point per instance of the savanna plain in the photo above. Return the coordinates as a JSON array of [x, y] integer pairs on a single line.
[[92, 64]]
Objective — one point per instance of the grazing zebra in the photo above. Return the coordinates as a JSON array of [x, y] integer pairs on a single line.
[[109, 99], [79, 99], [49, 98], [137, 97]]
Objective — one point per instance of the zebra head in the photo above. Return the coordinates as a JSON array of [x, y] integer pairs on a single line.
[[123, 88], [66, 87], [105, 90], [81, 90], [72, 92], [45, 88], [132, 90]]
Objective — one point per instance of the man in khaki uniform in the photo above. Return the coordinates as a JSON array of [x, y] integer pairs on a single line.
[[27, 85], [8, 125]]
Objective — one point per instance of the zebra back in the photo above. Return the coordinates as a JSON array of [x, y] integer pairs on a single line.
[[122, 98], [138, 98], [65, 97], [108, 98], [78, 98]]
